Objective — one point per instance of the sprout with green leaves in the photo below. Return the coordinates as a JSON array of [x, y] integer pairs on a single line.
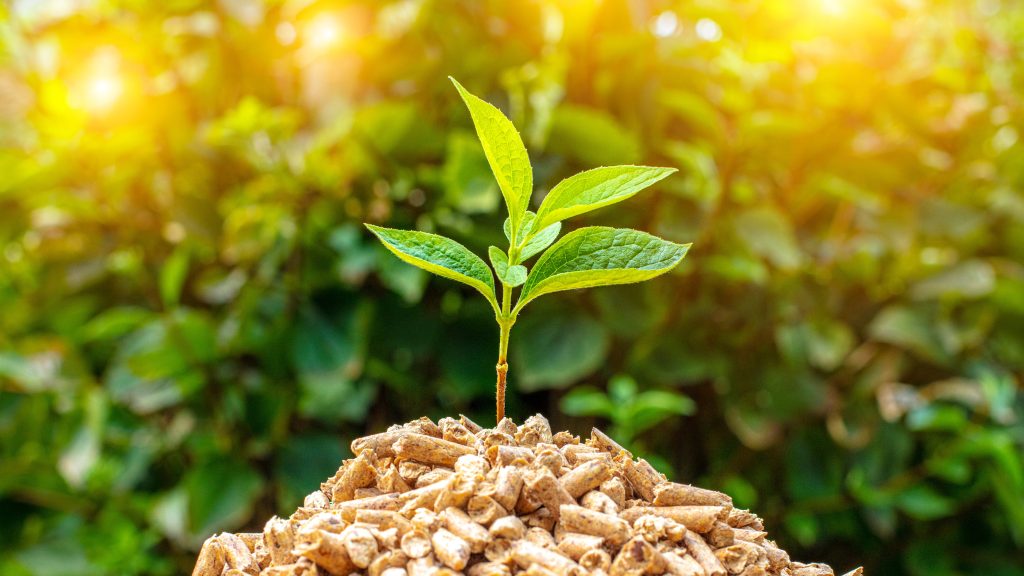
[[583, 258]]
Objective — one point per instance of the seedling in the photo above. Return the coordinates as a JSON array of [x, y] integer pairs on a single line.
[[583, 258]]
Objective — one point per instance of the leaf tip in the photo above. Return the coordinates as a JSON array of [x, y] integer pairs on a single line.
[[458, 86], [684, 249]]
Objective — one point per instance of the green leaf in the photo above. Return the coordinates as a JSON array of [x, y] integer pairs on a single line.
[[510, 275], [556, 349], [172, 277], [924, 503], [910, 328], [330, 340], [595, 189], [505, 153], [600, 256], [769, 234], [534, 242], [442, 256], [115, 322], [539, 241], [587, 402], [468, 184], [966, 280], [592, 136], [303, 462], [221, 495]]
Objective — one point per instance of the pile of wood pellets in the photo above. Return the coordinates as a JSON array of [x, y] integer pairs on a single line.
[[455, 498]]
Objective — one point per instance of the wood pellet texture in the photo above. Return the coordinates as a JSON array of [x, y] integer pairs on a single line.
[[451, 498]]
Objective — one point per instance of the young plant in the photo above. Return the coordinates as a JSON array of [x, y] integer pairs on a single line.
[[583, 258]]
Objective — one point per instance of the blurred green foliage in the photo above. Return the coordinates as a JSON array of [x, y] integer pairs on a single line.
[[193, 325]]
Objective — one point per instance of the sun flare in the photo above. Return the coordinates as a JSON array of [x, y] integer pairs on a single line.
[[102, 92]]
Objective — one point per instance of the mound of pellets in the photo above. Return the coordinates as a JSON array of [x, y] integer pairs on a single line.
[[454, 498]]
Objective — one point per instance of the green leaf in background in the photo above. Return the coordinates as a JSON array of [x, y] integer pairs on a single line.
[[115, 322], [409, 282], [333, 397], [509, 275], [699, 179], [592, 136], [651, 407], [911, 328], [536, 241], [161, 363], [966, 280], [767, 233], [56, 555], [329, 340], [600, 256], [505, 153], [595, 189], [630, 411], [221, 494], [587, 401], [633, 311], [303, 463], [172, 277], [469, 185], [554, 350], [439, 255], [924, 503]]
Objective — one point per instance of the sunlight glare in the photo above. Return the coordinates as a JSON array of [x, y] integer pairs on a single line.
[[665, 24], [833, 7], [708, 30], [322, 32], [102, 92]]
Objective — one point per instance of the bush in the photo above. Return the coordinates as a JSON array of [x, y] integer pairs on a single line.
[[193, 323]]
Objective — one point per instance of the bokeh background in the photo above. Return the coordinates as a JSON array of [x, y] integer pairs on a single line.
[[193, 323]]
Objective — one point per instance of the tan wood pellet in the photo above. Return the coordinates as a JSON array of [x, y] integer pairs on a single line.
[[526, 553], [450, 549], [416, 544], [279, 537], [697, 518], [348, 509], [604, 442], [353, 474], [460, 524], [703, 554], [360, 544], [682, 564], [579, 519], [642, 477], [429, 450], [673, 494], [599, 501], [326, 549], [484, 510], [585, 477], [637, 557], [615, 489], [548, 490], [489, 569], [508, 527], [575, 545], [596, 560]]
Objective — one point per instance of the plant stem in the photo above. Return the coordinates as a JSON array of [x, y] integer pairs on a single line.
[[505, 324], [502, 369]]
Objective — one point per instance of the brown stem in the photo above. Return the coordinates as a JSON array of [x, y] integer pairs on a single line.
[[502, 370]]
